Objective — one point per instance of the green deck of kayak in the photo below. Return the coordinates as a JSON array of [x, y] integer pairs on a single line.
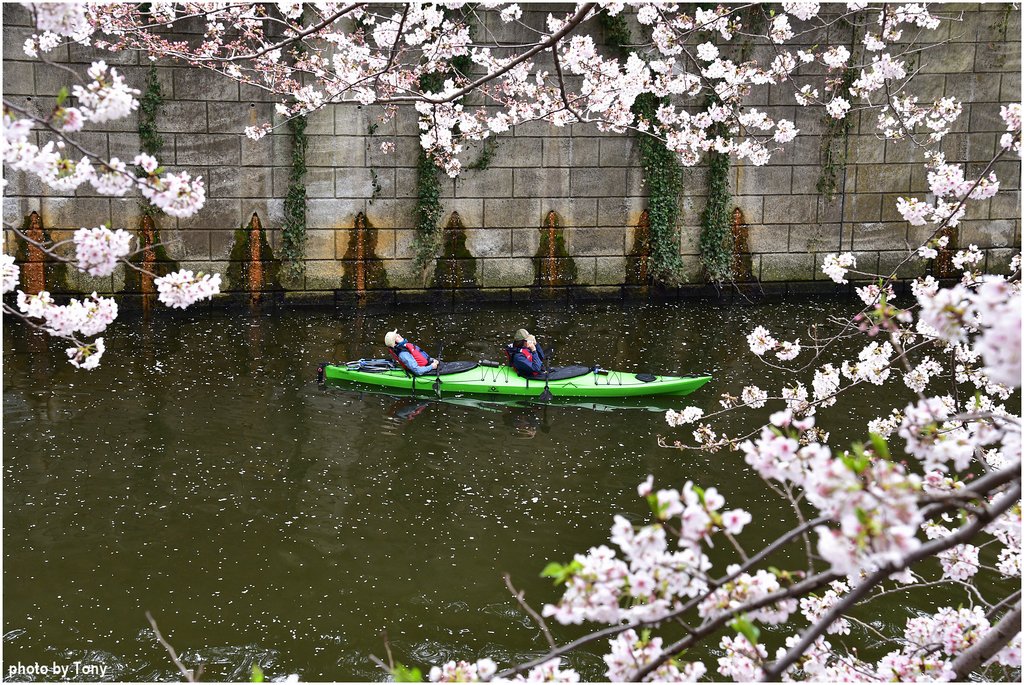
[[503, 380]]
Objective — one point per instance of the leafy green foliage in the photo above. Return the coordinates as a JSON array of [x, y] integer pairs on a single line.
[[561, 573], [880, 445], [428, 195], [857, 462], [404, 674], [616, 31], [745, 627], [860, 459], [149, 106], [656, 507], [715, 220], [786, 578], [375, 183], [149, 137], [150, 142], [663, 178], [428, 210], [293, 235], [662, 174], [486, 155]]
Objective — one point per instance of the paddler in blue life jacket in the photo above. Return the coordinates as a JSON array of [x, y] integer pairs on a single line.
[[526, 355], [411, 357]]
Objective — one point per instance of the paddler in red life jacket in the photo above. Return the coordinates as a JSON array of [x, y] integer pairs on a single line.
[[526, 355], [414, 359]]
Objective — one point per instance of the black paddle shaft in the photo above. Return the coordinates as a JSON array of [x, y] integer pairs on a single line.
[[437, 376], [546, 396]]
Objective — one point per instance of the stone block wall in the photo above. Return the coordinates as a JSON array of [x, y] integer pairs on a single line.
[[591, 180]]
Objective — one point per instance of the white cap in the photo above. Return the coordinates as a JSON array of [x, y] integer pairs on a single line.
[[391, 338]]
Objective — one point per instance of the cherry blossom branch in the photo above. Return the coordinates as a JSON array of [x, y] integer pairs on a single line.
[[568, 28], [298, 36], [813, 403], [956, 210], [905, 588], [712, 625], [51, 250], [928, 549], [848, 324], [1009, 599], [561, 83], [195, 15], [803, 523], [774, 546], [987, 484], [989, 644], [394, 46], [62, 67], [103, 162], [47, 249], [10, 311]]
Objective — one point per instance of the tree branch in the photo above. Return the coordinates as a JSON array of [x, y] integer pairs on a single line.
[[569, 27], [1015, 597], [712, 585], [961, 535], [185, 672], [519, 595], [991, 482], [990, 643]]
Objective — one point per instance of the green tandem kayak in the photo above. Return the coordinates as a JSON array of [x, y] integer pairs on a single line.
[[470, 378]]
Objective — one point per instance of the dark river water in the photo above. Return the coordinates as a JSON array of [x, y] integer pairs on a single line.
[[201, 474]]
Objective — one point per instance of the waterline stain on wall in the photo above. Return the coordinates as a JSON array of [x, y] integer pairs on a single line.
[[742, 267], [38, 271], [543, 167], [152, 257], [942, 266], [146, 286], [637, 261], [364, 270], [456, 267], [552, 264], [253, 267], [33, 269]]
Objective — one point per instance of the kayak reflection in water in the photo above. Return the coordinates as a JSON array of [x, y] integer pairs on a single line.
[[406, 410], [525, 421], [526, 355], [410, 356]]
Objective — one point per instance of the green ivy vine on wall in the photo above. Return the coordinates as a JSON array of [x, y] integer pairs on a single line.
[[490, 147], [834, 143], [293, 232], [149, 138], [428, 180], [428, 193], [662, 174], [715, 220], [153, 257], [293, 235], [428, 210], [663, 179]]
